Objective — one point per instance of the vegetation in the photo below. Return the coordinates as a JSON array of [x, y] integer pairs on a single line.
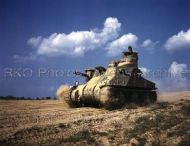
[[81, 135], [26, 98], [184, 143], [186, 109]]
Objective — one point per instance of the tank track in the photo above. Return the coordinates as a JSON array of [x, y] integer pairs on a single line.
[[120, 96]]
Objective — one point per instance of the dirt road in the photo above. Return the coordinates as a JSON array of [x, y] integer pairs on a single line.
[[51, 122]]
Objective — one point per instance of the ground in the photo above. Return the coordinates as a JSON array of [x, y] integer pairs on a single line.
[[52, 122]]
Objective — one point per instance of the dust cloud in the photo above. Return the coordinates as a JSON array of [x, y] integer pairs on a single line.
[[62, 91]]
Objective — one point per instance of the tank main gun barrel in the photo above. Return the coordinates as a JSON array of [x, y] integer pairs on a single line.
[[80, 74]]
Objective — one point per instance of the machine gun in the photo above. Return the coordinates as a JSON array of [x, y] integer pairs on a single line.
[[82, 74]]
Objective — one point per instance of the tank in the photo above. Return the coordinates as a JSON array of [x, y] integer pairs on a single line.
[[118, 84]]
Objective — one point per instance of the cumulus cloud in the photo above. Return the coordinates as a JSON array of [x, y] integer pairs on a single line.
[[179, 80], [176, 79], [149, 44], [77, 42], [120, 44], [177, 70], [178, 41], [35, 41]]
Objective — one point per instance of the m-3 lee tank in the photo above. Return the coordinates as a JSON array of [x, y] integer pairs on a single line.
[[120, 83]]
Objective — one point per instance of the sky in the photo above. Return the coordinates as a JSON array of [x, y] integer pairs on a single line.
[[42, 42]]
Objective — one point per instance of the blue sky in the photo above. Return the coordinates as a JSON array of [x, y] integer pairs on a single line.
[[66, 35]]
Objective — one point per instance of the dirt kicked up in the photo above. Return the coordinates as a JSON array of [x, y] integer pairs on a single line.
[[51, 122]]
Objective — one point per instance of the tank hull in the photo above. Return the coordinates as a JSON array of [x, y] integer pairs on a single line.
[[112, 96]]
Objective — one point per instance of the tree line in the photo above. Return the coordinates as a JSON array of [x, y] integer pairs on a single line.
[[26, 98]]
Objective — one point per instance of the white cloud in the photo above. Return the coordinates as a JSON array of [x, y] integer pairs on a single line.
[[78, 42], [120, 44], [24, 58], [176, 80], [149, 44], [172, 79], [177, 70], [29, 57], [179, 41], [35, 41]]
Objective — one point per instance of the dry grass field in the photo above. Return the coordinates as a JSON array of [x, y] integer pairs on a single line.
[[52, 122]]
